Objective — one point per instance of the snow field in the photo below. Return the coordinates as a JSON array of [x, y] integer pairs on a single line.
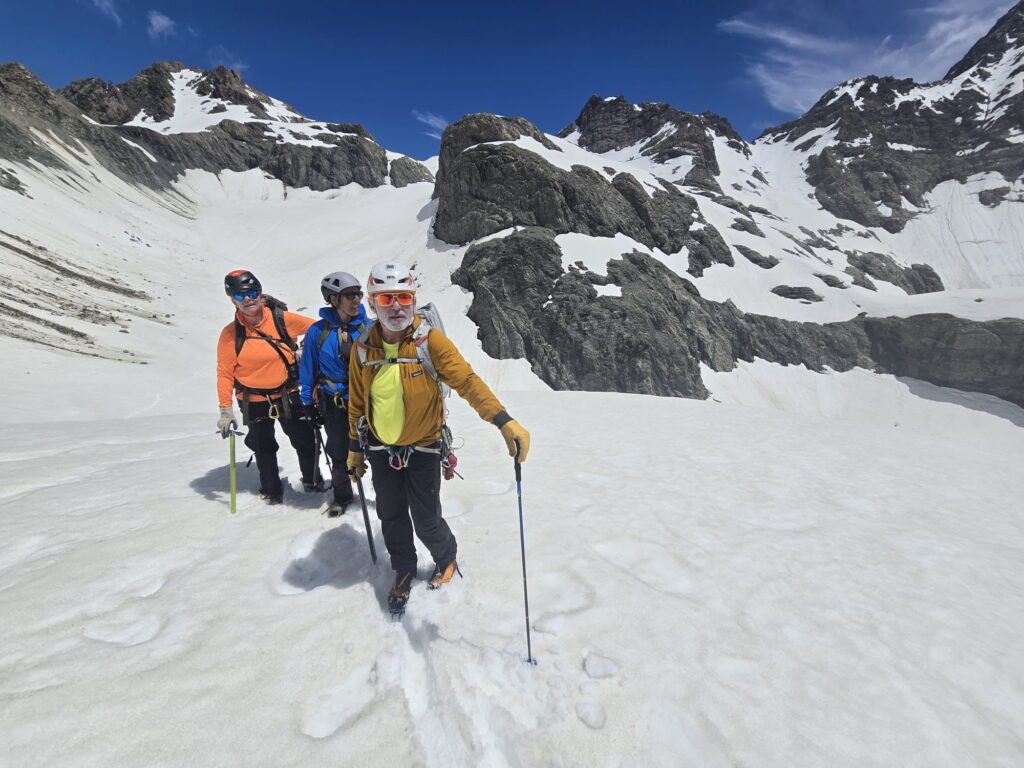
[[734, 573]]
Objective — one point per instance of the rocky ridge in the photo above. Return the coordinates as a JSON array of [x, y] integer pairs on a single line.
[[486, 184], [654, 337], [877, 145], [256, 131]]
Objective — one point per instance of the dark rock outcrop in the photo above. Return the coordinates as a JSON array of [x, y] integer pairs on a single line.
[[830, 280], [764, 262], [653, 338], [663, 133], [484, 186], [746, 225], [9, 180], [917, 278], [404, 171], [706, 246], [952, 352], [801, 293], [149, 91]]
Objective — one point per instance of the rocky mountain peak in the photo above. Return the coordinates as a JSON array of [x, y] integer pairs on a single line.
[[606, 124], [18, 85], [1008, 33], [659, 131], [109, 104]]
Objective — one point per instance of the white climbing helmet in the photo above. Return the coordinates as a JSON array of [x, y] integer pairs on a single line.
[[389, 276], [336, 282]]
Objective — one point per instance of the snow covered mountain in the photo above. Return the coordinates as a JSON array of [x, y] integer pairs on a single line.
[[758, 247], [814, 562]]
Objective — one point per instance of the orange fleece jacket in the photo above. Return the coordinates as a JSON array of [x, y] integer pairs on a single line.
[[258, 365]]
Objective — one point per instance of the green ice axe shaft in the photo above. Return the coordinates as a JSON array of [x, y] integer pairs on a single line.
[[232, 474]]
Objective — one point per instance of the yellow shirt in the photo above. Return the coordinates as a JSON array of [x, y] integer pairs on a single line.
[[387, 400]]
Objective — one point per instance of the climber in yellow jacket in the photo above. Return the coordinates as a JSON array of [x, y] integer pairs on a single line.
[[396, 415]]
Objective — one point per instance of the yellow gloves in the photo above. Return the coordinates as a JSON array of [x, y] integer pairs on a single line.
[[356, 463], [513, 432]]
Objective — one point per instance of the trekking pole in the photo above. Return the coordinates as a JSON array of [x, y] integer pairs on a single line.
[[522, 547], [319, 448], [316, 456], [366, 518]]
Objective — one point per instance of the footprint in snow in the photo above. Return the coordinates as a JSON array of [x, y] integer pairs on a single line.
[[597, 666], [339, 705], [495, 488], [591, 714], [125, 633]]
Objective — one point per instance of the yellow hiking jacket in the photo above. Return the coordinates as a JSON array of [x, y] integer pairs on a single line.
[[424, 404]]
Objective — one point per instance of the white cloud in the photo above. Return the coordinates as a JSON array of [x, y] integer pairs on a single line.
[[797, 66], [109, 9], [160, 25], [222, 57], [434, 122]]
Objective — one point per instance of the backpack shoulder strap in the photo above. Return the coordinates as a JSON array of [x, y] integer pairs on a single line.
[[361, 343], [240, 336], [325, 331], [282, 328], [420, 338]]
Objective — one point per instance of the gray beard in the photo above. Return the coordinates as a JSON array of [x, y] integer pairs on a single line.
[[395, 325]]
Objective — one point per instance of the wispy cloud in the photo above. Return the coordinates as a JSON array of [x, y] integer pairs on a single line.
[[796, 66], [434, 122], [109, 9], [222, 57], [160, 25]]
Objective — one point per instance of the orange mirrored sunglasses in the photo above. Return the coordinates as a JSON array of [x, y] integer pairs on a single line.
[[403, 299]]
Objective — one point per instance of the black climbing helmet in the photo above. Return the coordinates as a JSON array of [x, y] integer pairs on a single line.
[[239, 281]]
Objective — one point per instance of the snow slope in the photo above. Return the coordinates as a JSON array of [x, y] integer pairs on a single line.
[[741, 588], [808, 569]]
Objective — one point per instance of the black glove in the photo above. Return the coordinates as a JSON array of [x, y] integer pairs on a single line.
[[312, 414]]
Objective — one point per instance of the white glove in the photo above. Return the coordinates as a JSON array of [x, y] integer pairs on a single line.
[[227, 421]]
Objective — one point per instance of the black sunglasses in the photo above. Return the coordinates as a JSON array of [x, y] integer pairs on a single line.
[[351, 294], [250, 294]]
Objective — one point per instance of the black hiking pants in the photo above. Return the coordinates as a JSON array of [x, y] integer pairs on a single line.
[[336, 447], [261, 441], [410, 499]]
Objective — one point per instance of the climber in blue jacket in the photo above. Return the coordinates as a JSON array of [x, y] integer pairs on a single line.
[[323, 374]]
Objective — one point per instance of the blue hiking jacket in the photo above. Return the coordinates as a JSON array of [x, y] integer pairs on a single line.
[[323, 364]]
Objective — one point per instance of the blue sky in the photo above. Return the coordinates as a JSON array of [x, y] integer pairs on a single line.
[[405, 69]]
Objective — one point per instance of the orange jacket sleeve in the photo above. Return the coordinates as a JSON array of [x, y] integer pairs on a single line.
[[297, 325], [226, 361]]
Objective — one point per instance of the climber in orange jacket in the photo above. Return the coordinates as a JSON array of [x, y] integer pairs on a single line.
[[256, 360]]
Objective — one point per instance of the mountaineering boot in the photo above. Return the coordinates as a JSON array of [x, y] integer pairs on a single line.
[[337, 508], [399, 594], [443, 574], [315, 486], [272, 498]]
